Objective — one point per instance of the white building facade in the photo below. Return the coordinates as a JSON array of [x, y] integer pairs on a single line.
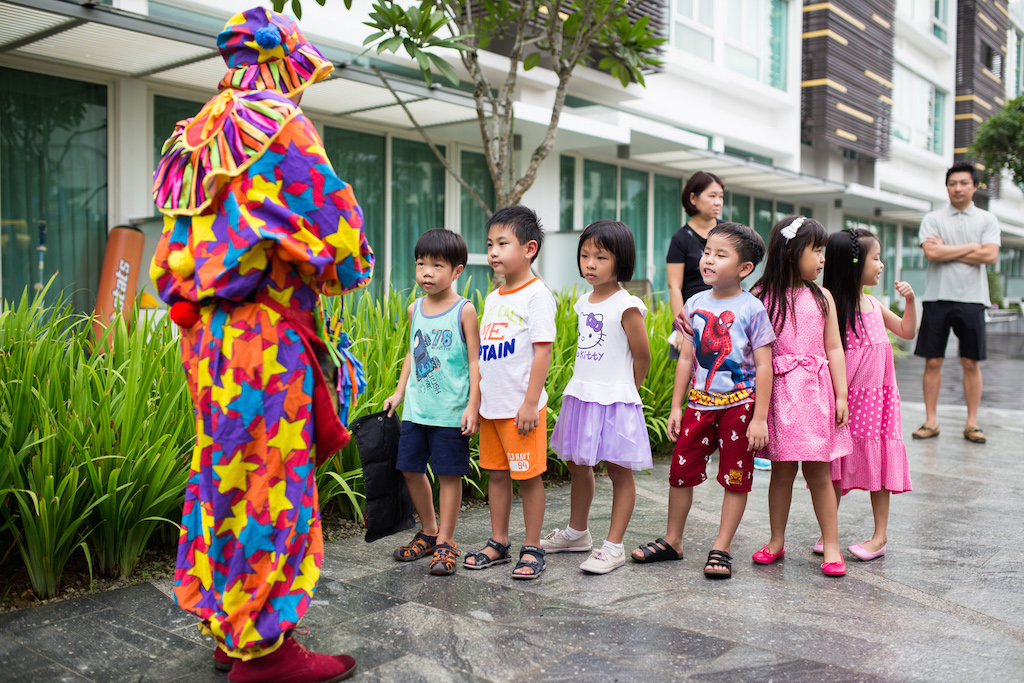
[[89, 94]]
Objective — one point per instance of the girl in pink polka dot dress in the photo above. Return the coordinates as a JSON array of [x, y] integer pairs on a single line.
[[879, 460]]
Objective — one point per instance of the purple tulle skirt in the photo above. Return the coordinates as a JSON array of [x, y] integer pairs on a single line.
[[589, 433]]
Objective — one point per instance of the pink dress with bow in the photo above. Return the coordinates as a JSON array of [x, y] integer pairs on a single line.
[[802, 413]]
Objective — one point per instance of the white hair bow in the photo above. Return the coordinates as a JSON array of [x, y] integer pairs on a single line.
[[789, 232]]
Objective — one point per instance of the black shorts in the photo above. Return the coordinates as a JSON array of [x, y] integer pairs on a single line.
[[967, 322]]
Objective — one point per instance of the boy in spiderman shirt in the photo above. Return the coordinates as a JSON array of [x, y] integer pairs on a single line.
[[725, 372]]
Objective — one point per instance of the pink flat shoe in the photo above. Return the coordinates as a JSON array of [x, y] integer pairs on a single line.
[[765, 556], [818, 548], [865, 555], [834, 568]]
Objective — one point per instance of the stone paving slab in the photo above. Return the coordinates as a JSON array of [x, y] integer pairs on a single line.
[[946, 603]]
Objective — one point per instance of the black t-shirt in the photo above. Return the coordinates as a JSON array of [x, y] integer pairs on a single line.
[[687, 247]]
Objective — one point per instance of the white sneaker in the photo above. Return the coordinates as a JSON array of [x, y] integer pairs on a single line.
[[601, 562], [556, 542]]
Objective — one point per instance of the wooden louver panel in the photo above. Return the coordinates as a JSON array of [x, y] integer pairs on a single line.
[[847, 74], [980, 67]]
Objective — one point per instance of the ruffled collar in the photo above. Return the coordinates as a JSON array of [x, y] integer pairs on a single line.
[[205, 152]]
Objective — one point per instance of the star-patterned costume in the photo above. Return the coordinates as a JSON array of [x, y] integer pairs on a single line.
[[257, 226]]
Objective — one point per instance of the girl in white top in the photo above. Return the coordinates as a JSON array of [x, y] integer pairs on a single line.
[[602, 416]]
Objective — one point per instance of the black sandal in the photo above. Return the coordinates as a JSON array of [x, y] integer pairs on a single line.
[[419, 546], [537, 566], [657, 553], [443, 562], [718, 559], [481, 559]]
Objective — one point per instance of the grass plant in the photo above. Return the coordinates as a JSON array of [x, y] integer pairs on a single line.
[[95, 445]]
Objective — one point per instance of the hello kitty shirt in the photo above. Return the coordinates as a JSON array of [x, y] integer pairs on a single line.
[[724, 333], [604, 362]]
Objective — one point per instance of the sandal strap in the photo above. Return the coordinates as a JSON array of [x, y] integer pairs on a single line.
[[502, 548], [719, 558], [480, 557]]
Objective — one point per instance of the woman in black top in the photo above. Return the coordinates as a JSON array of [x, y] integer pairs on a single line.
[[702, 199]]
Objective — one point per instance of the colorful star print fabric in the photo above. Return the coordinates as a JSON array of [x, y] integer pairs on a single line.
[[257, 224]]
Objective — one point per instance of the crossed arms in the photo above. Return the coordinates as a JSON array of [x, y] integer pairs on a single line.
[[972, 253]]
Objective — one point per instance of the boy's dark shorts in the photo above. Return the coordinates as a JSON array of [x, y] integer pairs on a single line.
[[967, 322], [445, 448]]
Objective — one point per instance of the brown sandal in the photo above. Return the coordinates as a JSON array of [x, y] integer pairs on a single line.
[[926, 432], [416, 548], [974, 434], [443, 562]]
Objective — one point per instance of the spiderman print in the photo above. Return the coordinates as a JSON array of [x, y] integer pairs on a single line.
[[715, 344]]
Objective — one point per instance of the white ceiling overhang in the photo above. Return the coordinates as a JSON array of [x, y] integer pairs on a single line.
[[136, 46], [744, 173]]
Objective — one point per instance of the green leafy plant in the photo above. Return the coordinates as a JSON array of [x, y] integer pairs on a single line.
[[113, 430], [999, 142]]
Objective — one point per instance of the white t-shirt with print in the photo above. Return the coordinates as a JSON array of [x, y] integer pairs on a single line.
[[513, 321], [603, 370]]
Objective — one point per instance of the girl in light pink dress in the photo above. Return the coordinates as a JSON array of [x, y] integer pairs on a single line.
[[808, 414], [879, 460]]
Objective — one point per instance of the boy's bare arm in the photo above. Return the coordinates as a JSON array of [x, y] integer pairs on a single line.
[[471, 332], [757, 431], [680, 388], [392, 401], [528, 417]]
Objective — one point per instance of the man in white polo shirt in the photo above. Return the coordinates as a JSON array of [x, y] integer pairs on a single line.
[[958, 241]]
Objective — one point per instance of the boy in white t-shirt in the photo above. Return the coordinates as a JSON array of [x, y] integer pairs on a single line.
[[516, 335]]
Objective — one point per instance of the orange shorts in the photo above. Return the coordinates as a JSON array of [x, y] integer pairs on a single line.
[[502, 447]]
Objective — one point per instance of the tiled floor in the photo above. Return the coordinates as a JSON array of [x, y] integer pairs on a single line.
[[946, 603]]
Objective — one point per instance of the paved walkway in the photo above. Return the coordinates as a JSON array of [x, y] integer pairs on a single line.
[[946, 603]]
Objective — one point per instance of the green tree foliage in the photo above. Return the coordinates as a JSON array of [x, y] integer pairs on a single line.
[[555, 34], [999, 143]]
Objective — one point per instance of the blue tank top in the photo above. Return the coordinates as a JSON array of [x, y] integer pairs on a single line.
[[438, 388]]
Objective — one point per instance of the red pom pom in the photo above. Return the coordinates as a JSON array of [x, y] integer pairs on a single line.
[[185, 313]]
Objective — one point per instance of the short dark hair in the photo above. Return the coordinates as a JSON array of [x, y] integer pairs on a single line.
[[522, 222], [615, 237], [443, 244], [746, 241], [964, 167], [698, 182]]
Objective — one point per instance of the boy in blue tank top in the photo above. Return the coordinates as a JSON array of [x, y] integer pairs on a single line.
[[440, 384]]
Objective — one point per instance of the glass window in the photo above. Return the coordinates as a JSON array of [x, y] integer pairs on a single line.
[[919, 111], [566, 192], [939, 20], [929, 16], [473, 220], [807, 211], [668, 217], [691, 31], [913, 254], [358, 159], [53, 173], [756, 40], [783, 209], [416, 208], [600, 182], [739, 208], [764, 219], [167, 111], [633, 213]]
